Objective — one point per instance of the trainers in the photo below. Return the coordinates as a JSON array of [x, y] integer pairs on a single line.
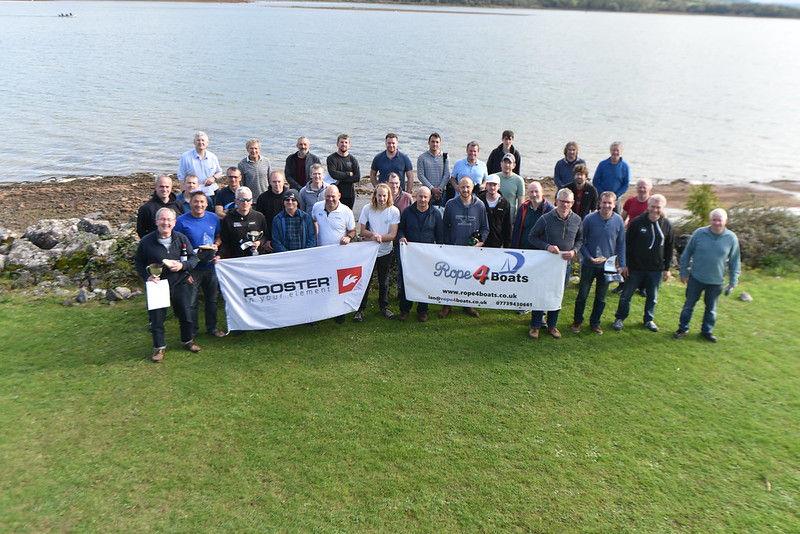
[[533, 333], [358, 317], [554, 332], [444, 312], [617, 325], [217, 333], [650, 325], [191, 346], [422, 317], [575, 327], [708, 336], [158, 355], [472, 312], [679, 334], [597, 330], [387, 313], [403, 316]]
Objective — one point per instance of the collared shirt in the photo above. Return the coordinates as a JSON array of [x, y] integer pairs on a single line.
[[384, 165], [474, 171], [332, 225], [203, 168]]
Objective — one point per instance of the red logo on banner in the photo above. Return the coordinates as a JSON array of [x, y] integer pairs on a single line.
[[348, 278], [481, 274]]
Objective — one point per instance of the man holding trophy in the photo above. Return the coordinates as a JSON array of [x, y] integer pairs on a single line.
[[167, 255], [243, 228], [202, 229]]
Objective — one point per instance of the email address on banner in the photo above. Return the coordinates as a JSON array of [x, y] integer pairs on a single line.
[[498, 299]]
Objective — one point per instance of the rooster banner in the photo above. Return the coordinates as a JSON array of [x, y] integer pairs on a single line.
[[301, 286], [505, 279]]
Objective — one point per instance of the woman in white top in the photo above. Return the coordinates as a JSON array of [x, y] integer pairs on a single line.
[[378, 222]]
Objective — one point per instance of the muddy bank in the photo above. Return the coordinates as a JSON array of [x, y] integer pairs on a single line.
[[118, 197]]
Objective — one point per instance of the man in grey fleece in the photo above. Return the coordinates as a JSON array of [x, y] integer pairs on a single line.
[[433, 169], [711, 251], [255, 168], [465, 224], [558, 232]]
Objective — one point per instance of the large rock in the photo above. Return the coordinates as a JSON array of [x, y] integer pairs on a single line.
[[95, 226], [25, 254], [2, 262], [48, 233], [102, 248]]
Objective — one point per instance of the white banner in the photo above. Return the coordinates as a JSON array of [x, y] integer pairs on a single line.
[[506, 279], [301, 286]]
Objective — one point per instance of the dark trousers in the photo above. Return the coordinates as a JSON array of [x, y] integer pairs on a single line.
[[711, 295], [347, 201], [405, 304], [382, 264], [591, 272], [205, 281], [537, 318], [181, 296], [651, 281]]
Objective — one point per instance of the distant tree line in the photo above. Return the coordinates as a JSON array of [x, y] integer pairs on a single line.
[[634, 6]]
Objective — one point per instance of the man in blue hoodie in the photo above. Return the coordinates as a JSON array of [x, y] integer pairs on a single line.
[[711, 251], [465, 224]]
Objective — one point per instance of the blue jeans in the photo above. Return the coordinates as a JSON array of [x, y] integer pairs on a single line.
[[591, 272], [693, 290], [651, 281], [538, 315]]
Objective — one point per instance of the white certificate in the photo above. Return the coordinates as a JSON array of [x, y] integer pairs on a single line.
[[157, 294]]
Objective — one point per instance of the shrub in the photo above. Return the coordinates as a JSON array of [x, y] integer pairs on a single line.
[[700, 202], [768, 237]]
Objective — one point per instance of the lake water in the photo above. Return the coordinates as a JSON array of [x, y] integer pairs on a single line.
[[122, 86]]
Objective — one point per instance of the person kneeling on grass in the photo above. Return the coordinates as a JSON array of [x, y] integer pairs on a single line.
[[378, 222], [172, 252]]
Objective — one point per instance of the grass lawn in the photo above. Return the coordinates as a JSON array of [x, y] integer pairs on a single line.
[[457, 424]]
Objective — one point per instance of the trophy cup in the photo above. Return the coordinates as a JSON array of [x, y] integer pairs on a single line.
[[155, 269], [253, 236]]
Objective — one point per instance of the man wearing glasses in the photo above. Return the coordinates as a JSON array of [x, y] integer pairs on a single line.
[[240, 220], [558, 232], [292, 228]]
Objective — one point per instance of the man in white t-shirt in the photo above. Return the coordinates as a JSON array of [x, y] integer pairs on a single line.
[[334, 222]]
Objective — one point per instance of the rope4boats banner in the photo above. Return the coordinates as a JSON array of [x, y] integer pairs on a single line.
[[297, 287], [505, 279]]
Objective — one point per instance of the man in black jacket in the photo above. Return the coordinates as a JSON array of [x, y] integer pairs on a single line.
[[498, 213], [343, 167], [298, 165], [506, 147], [173, 252], [419, 223], [238, 222], [163, 197], [270, 203], [648, 250]]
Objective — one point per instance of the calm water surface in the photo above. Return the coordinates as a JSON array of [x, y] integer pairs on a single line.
[[122, 86]]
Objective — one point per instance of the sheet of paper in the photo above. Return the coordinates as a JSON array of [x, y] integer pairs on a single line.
[[157, 294], [611, 265]]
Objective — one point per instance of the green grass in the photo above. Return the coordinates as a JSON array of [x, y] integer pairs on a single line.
[[457, 424]]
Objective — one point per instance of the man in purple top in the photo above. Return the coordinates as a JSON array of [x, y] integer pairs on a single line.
[[391, 160]]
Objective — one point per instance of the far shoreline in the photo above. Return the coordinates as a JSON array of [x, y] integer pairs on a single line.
[[117, 198]]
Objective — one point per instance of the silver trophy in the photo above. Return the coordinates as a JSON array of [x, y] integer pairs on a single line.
[[155, 269], [253, 236]]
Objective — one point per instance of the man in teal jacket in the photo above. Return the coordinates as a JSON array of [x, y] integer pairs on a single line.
[[711, 250]]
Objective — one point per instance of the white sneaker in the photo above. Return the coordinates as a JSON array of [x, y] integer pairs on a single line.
[[617, 325]]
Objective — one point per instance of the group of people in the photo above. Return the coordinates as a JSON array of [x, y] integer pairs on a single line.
[[475, 203]]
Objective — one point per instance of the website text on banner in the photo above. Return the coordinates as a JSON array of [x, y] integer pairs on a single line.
[[506, 279], [301, 286]]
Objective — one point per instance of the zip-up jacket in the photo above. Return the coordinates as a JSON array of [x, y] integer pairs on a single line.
[[648, 244], [499, 218], [308, 236], [151, 251], [551, 229], [524, 221], [146, 216], [421, 227]]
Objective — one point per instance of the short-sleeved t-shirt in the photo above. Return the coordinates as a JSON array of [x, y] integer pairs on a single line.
[[334, 225], [379, 222], [199, 230], [512, 188], [384, 165]]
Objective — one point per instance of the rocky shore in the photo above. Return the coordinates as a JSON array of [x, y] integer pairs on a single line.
[[79, 232]]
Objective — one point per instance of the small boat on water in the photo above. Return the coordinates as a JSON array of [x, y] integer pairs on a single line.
[[66, 15]]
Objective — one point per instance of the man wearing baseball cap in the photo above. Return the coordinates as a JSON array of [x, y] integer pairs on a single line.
[[292, 228], [498, 213]]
